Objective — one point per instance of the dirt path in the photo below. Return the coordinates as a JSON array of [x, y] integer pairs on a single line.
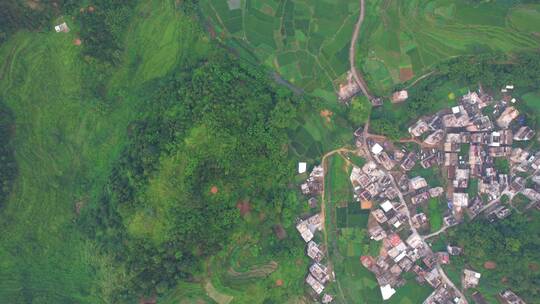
[[324, 217], [443, 229], [216, 295], [211, 291], [352, 51], [323, 192], [419, 79]]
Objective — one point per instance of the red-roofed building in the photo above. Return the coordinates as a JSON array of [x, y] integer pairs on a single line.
[[443, 258], [367, 261], [395, 240]]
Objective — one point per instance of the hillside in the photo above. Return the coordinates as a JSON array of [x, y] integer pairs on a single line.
[[148, 154]]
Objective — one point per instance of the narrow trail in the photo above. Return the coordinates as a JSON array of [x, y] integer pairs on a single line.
[[443, 229], [324, 164], [352, 51], [324, 198], [419, 79]]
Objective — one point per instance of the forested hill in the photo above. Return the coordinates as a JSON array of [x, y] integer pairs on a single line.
[[135, 140], [20, 15], [218, 125]]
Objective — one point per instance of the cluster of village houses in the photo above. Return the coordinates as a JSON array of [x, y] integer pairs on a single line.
[[390, 221], [464, 142], [469, 139], [319, 275]]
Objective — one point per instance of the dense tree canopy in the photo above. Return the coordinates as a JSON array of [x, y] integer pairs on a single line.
[[220, 124], [8, 166], [512, 244], [29, 15]]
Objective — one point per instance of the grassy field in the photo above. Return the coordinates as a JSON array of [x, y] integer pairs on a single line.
[[532, 99], [432, 175], [435, 212], [324, 127], [411, 293], [338, 182], [64, 149], [403, 39]]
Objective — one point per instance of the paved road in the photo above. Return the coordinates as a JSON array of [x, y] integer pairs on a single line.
[[352, 52], [450, 283]]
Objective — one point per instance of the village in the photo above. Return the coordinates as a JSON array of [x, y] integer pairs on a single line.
[[467, 143]]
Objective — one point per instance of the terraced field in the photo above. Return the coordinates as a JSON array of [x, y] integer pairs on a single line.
[[405, 38], [65, 147]]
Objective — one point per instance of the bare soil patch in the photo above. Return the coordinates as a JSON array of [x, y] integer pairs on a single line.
[[280, 231], [366, 205], [152, 300], [279, 282], [244, 207], [77, 41], [405, 74], [327, 114], [34, 4], [214, 190], [78, 206], [490, 265]]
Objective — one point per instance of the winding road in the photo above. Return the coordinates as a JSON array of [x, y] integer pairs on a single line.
[[352, 52]]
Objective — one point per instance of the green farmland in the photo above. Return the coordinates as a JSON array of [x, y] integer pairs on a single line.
[[337, 179], [315, 133], [404, 39], [307, 42]]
